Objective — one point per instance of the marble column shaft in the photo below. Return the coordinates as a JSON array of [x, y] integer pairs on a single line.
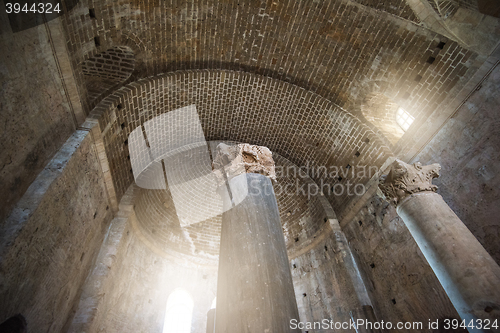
[[255, 291], [468, 274]]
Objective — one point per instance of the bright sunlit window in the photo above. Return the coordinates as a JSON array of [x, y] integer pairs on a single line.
[[404, 119], [179, 312]]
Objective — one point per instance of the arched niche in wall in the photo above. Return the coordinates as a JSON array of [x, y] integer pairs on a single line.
[[107, 69], [383, 112]]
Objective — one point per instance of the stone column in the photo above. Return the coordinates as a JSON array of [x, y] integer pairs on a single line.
[[254, 290], [468, 274]]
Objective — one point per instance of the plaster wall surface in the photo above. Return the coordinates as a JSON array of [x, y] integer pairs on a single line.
[[467, 148], [53, 236]]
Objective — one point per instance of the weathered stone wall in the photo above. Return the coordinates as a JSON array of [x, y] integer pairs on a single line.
[[323, 287], [467, 148], [50, 240], [402, 286], [386, 271], [35, 112]]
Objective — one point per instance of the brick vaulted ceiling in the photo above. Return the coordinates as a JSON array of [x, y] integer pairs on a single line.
[[313, 63], [341, 50]]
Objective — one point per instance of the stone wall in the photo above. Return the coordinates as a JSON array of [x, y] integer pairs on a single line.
[[389, 273], [467, 148], [50, 240], [35, 112], [324, 288]]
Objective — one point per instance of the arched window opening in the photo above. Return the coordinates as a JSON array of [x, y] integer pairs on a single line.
[[381, 111], [404, 119], [178, 313]]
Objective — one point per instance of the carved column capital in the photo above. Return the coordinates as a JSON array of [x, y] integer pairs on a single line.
[[405, 179], [231, 161]]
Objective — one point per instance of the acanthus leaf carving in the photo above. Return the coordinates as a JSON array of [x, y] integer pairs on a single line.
[[231, 161], [405, 179]]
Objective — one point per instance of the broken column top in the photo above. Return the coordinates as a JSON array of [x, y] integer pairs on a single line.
[[405, 179], [231, 161]]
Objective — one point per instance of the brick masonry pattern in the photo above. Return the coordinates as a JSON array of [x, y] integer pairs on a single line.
[[341, 50]]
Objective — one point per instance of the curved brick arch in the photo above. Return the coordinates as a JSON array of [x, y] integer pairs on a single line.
[[107, 69]]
